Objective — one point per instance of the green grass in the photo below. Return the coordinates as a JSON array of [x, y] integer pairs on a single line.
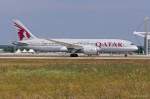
[[74, 79]]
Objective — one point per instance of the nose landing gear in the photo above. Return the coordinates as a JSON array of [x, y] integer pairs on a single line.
[[125, 55]]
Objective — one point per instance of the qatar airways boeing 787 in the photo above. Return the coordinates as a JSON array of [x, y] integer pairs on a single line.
[[73, 46]]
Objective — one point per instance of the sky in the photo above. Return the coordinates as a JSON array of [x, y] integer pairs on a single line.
[[74, 18]]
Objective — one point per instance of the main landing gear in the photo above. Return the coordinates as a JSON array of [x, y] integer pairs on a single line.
[[125, 55], [73, 55]]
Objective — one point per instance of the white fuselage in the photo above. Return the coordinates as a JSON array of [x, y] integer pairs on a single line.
[[73, 46], [101, 45]]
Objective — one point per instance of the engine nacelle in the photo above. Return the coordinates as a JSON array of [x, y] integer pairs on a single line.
[[90, 50]]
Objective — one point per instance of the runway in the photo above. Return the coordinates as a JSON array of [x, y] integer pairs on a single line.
[[82, 58], [66, 56]]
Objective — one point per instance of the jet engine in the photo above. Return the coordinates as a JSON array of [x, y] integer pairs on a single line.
[[90, 50]]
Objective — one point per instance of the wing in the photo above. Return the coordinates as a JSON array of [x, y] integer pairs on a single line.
[[68, 45]]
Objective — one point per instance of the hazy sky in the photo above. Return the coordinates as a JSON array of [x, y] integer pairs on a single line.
[[74, 18]]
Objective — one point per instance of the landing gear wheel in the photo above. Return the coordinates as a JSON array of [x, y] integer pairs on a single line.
[[126, 55], [73, 55]]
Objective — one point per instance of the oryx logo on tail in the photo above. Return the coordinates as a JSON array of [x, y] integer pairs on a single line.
[[23, 32]]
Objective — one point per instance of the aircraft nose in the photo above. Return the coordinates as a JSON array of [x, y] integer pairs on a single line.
[[135, 48]]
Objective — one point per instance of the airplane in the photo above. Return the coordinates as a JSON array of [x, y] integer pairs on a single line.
[[72, 46]]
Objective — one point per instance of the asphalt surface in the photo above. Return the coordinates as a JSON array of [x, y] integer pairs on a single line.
[[66, 56], [101, 57]]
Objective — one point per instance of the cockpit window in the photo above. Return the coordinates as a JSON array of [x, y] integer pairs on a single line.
[[132, 44]]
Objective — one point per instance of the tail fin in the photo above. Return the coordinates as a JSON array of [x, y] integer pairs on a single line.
[[23, 32]]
